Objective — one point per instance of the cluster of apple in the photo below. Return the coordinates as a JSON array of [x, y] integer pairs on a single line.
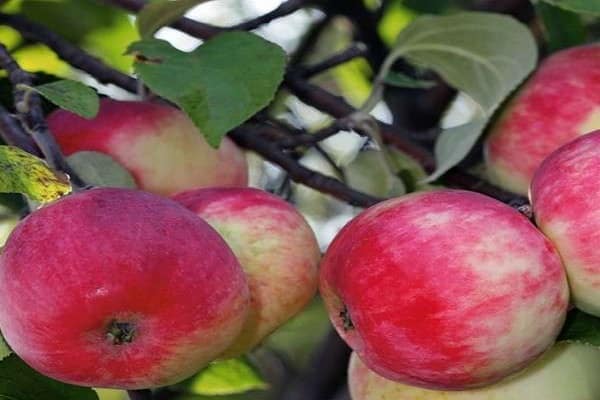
[[131, 289], [438, 290], [448, 294]]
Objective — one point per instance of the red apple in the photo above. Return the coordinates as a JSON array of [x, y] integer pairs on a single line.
[[566, 372], [119, 288], [158, 144], [276, 248], [560, 102], [444, 289], [565, 199]]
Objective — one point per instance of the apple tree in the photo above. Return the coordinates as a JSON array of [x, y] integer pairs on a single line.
[[325, 108]]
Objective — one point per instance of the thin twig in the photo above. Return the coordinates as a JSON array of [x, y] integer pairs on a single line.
[[206, 31], [29, 108], [70, 53], [250, 136], [355, 51], [13, 134]]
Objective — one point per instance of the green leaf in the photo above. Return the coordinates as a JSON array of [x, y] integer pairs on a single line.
[[370, 172], [225, 377], [579, 6], [160, 13], [399, 79], [72, 96], [21, 172], [581, 327], [19, 382], [484, 55], [5, 351], [99, 169], [220, 85], [562, 28], [454, 144]]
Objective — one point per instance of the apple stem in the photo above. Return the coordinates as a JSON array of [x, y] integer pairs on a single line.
[[144, 394]]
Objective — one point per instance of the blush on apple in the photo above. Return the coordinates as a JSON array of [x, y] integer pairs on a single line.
[[565, 199], [444, 289], [119, 288], [158, 144], [276, 248], [560, 102], [565, 372]]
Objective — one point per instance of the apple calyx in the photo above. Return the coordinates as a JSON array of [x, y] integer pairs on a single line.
[[120, 332], [346, 320]]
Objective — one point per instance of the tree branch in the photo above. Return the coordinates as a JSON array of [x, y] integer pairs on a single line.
[[250, 136], [355, 51], [206, 31], [29, 108], [13, 134], [70, 53]]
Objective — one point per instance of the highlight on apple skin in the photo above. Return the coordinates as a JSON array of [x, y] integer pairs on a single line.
[[158, 144], [276, 248], [445, 289], [119, 288], [566, 372], [559, 102], [565, 199]]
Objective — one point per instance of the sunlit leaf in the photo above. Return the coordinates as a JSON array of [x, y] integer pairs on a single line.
[[21, 172], [224, 377]]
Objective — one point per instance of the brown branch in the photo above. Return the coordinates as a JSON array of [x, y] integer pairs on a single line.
[[206, 31], [337, 107], [29, 108], [13, 134], [250, 136], [355, 51], [70, 53]]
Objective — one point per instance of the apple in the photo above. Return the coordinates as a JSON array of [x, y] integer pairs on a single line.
[[566, 372], [446, 289], [276, 248], [119, 288], [565, 198], [158, 144], [560, 102]]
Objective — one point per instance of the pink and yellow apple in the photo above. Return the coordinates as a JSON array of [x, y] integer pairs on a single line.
[[565, 372], [276, 248], [158, 144], [565, 199], [560, 102], [119, 288], [444, 289]]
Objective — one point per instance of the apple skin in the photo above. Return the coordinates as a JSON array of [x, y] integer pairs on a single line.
[[276, 248], [566, 372], [74, 269], [157, 144], [560, 102], [564, 195], [445, 289]]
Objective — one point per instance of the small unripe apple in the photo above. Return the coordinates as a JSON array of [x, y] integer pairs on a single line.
[[565, 199], [560, 102], [445, 289], [565, 372], [119, 288], [158, 144], [276, 248]]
